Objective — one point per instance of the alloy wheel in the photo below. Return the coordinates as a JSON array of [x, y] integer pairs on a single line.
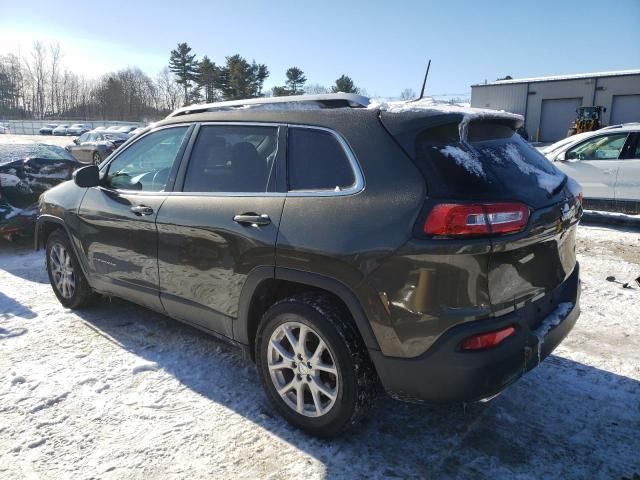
[[302, 369], [62, 270]]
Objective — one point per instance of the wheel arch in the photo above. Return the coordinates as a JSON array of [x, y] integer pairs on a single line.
[[266, 285], [45, 225]]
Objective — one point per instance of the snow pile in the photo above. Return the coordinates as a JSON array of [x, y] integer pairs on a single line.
[[430, 105], [465, 159]]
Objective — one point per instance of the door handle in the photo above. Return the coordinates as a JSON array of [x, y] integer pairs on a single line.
[[142, 210], [252, 219]]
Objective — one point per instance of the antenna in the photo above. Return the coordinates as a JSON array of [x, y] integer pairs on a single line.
[[424, 83]]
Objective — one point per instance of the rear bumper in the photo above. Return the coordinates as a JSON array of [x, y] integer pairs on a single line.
[[447, 374]]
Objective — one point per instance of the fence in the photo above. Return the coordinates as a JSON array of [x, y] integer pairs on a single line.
[[32, 127]]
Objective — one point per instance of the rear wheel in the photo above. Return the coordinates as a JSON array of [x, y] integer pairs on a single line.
[[314, 365], [65, 275], [97, 158]]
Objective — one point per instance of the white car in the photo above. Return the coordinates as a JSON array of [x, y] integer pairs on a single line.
[[4, 129], [60, 130], [78, 129], [606, 163]]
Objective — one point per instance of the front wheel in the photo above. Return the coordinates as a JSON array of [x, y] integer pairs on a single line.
[[65, 275], [314, 365], [97, 158]]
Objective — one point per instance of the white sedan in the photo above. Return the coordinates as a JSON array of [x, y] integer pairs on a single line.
[[605, 162]]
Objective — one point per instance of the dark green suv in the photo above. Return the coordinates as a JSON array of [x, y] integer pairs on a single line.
[[344, 245]]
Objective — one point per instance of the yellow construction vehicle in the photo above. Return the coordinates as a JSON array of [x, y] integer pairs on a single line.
[[588, 120]]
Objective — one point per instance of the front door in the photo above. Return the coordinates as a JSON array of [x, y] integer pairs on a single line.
[[79, 148], [595, 163], [222, 223], [117, 219], [628, 184]]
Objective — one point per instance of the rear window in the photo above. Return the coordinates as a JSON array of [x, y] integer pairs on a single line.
[[494, 162], [317, 161]]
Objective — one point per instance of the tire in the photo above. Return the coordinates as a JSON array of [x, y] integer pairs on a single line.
[[65, 275], [96, 158], [354, 385]]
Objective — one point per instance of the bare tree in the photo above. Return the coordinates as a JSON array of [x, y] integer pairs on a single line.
[[316, 88], [408, 94], [54, 78]]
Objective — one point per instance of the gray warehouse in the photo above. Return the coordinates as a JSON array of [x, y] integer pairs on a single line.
[[549, 104]]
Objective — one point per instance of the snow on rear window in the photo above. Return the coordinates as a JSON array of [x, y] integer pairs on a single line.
[[546, 180], [464, 158]]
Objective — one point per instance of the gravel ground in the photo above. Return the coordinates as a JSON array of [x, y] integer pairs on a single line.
[[118, 392]]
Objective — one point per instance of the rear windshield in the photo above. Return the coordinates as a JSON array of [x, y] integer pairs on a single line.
[[494, 162]]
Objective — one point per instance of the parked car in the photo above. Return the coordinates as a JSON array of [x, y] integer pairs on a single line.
[[113, 128], [100, 129], [127, 128], [135, 132], [27, 170], [48, 129], [94, 147], [607, 164], [78, 129], [60, 130], [429, 249], [4, 129]]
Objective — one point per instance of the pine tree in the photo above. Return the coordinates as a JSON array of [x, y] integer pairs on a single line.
[[280, 92], [185, 66], [344, 84], [240, 79], [208, 79], [295, 81]]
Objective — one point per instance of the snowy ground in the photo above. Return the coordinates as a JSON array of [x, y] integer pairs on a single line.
[[117, 392], [61, 141]]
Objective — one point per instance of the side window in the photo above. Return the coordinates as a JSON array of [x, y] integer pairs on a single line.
[[317, 161], [635, 153], [83, 138], [146, 164], [606, 147], [232, 158]]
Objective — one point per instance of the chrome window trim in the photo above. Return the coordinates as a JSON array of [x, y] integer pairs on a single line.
[[357, 187]]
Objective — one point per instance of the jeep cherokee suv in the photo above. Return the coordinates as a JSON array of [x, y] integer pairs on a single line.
[[343, 244]]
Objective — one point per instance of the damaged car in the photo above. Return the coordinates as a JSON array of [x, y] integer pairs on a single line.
[[26, 171]]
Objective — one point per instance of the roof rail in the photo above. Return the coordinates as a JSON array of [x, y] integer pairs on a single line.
[[324, 100]]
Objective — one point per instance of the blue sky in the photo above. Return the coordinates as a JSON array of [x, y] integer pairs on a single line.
[[383, 46]]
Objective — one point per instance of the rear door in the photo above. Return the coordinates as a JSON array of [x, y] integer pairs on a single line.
[[221, 223], [117, 227], [628, 182], [594, 163], [496, 166]]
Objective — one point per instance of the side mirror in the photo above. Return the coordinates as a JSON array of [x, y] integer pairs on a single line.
[[88, 176], [75, 140], [561, 157]]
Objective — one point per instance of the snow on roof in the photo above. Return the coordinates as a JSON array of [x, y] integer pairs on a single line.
[[429, 105], [552, 78]]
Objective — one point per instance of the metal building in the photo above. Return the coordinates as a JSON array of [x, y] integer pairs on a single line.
[[549, 104]]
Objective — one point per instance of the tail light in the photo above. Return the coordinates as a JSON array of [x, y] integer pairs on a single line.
[[579, 199], [487, 340], [464, 219]]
